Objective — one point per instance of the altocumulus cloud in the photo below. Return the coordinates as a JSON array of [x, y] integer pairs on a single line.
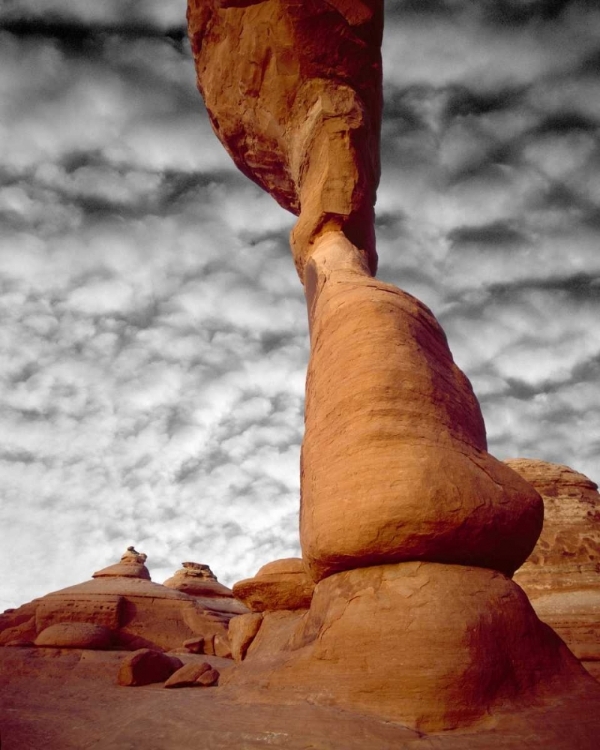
[[153, 336]]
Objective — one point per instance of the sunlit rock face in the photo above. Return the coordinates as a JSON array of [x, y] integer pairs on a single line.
[[562, 575], [131, 611], [394, 460], [293, 90], [409, 528]]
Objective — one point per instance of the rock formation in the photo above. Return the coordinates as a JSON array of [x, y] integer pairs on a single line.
[[282, 584], [408, 527], [145, 666], [198, 580], [123, 602], [561, 576], [299, 115]]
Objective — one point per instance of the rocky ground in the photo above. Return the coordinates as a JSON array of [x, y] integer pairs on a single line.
[[69, 700]]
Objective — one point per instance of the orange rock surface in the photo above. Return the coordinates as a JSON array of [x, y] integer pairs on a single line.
[[562, 575], [293, 91], [394, 460], [135, 610], [435, 647], [197, 580], [282, 584]]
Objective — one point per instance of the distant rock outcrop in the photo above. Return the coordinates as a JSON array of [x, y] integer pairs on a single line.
[[123, 601], [562, 574]]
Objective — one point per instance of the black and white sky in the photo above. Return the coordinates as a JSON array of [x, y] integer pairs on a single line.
[[153, 335]]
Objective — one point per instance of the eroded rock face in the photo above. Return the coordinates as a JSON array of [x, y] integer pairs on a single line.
[[136, 611], [293, 90], [75, 635], [131, 565], [282, 584], [394, 460], [562, 575], [435, 647]]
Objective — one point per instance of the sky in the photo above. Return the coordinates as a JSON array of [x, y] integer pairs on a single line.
[[153, 333]]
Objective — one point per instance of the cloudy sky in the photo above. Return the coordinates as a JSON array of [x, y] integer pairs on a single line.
[[153, 336]]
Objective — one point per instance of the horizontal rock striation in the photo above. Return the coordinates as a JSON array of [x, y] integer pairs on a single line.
[[562, 574], [394, 460]]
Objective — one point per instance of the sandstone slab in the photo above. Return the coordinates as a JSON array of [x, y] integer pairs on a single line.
[[562, 575], [75, 635], [282, 584], [242, 631], [187, 676]]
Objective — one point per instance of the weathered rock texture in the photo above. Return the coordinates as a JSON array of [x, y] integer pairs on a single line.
[[75, 635], [282, 584], [136, 611], [293, 90], [562, 575], [145, 666], [131, 565], [193, 675], [395, 466], [433, 646], [198, 580], [394, 461]]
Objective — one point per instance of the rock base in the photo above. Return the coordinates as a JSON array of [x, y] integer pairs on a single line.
[[434, 647]]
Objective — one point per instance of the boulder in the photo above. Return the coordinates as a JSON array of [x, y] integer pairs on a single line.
[[282, 584], [145, 666], [75, 635], [561, 576], [394, 460], [242, 631], [434, 647], [195, 674], [293, 91]]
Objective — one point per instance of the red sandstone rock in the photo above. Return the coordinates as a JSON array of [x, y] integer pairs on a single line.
[[293, 91], [282, 584], [394, 461], [209, 678], [75, 635], [131, 565], [140, 613], [196, 579], [242, 631], [145, 666], [187, 676], [561, 576], [432, 646]]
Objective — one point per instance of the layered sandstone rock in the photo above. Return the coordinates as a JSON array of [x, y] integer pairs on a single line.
[[145, 666], [293, 91], [561, 576], [198, 580], [394, 460], [282, 584], [131, 565], [433, 646], [136, 611]]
